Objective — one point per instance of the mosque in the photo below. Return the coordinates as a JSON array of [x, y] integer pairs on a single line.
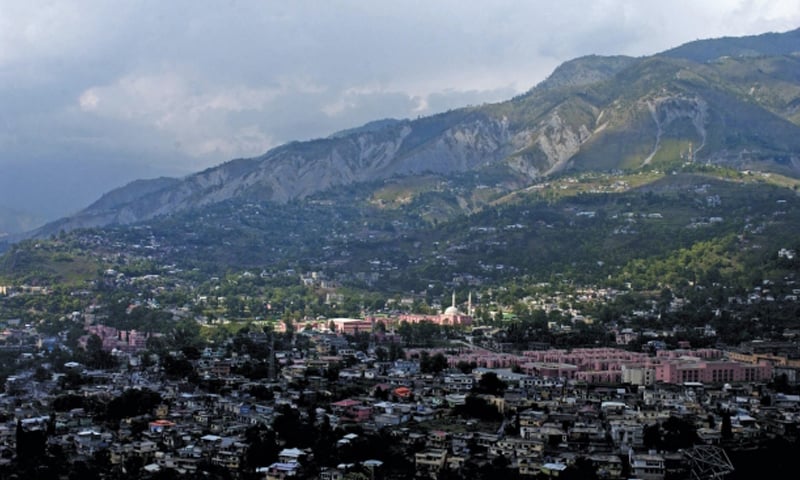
[[451, 316]]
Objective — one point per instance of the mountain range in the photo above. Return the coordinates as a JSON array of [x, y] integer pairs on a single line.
[[733, 102]]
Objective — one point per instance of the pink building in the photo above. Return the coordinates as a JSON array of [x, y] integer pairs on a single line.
[[351, 326], [451, 316], [605, 365], [550, 370], [123, 340], [486, 359], [718, 371], [704, 353], [594, 376]]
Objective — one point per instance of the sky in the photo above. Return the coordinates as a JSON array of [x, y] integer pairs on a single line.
[[97, 93]]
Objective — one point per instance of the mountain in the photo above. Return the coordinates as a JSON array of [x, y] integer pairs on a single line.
[[732, 102], [373, 126], [767, 44]]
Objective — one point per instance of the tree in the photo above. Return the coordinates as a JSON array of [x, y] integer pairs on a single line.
[[185, 333], [425, 362], [438, 362], [381, 354], [675, 433], [41, 374], [726, 429], [678, 433], [191, 352], [234, 305], [652, 436], [289, 327], [96, 356], [582, 469], [466, 367], [406, 332], [31, 444], [64, 403], [332, 373], [381, 393], [291, 429], [396, 352], [262, 448], [133, 465], [176, 368], [132, 403], [490, 384], [477, 407]]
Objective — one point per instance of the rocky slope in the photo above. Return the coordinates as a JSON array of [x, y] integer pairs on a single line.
[[728, 101]]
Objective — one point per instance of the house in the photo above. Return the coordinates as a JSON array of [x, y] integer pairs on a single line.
[[430, 462], [646, 466], [346, 440], [291, 455], [331, 474], [458, 382], [438, 440], [627, 433], [552, 469], [159, 426], [352, 410], [529, 466], [608, 466], [280, 471]]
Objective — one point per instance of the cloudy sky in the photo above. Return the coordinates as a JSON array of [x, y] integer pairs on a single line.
[[94, 94]]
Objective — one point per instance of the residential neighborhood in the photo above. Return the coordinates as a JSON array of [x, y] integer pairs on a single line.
[[335, 398]]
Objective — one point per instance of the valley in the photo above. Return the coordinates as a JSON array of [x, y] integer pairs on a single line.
[[597, 278]]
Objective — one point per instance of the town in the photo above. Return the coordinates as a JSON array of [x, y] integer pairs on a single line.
[[378, 240], [162, 384]]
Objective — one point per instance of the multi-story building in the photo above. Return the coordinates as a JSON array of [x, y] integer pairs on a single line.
[[649, 466], [430, 462], [717, 371]]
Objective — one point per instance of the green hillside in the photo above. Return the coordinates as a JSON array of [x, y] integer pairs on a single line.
[[656, 229], [49, 262]]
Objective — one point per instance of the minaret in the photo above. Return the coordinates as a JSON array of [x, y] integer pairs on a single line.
[[454, 299], [469, 303]]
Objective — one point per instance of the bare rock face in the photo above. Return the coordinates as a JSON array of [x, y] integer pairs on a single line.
[[299, 170], [666, 109], [560, 141]]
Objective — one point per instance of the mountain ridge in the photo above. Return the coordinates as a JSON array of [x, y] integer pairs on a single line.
[[591, 113]]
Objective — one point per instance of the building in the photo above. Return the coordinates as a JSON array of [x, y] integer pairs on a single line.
[[718, 371], [280, 471], [352, 326], [649, 466], [451, 316], [430, 462], [638, 375]]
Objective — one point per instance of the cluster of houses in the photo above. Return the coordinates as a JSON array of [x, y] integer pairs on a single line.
[[558, 406]]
